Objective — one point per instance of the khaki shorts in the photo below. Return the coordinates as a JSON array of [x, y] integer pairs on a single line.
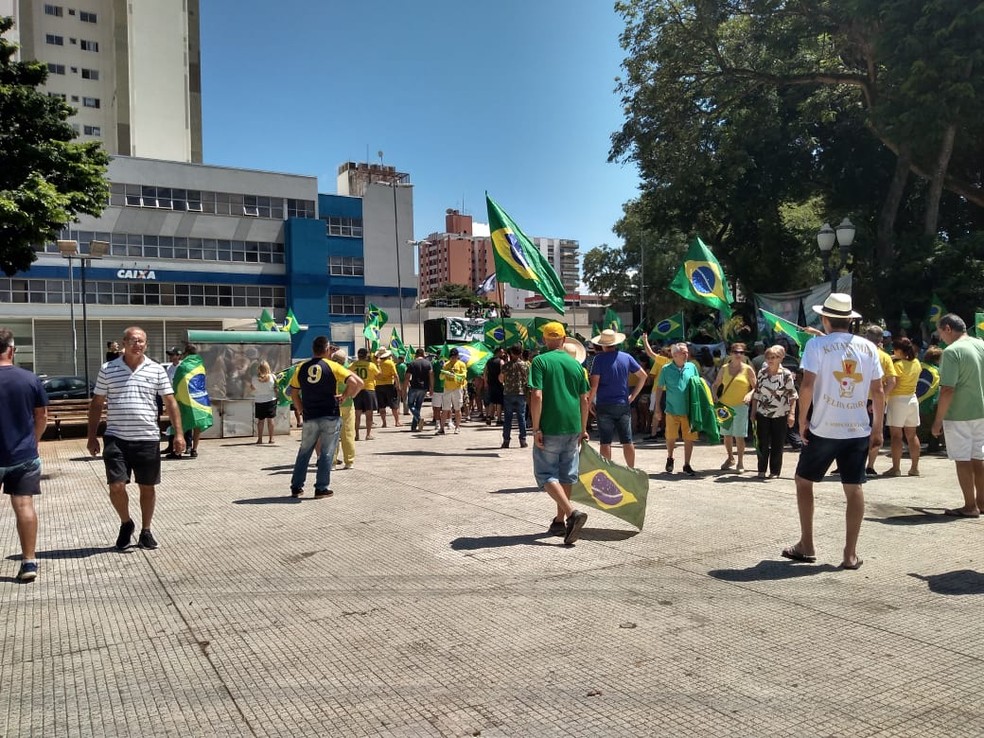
[[679, 425]]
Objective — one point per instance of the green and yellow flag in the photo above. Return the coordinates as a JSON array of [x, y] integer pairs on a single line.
[[519, 262], [701, 279], [979, 325], [778, 325], [612, 321], [611, 488], [290, 323], [191, 392], [266, 322], [936, 311], [396, 343], [668, 329]]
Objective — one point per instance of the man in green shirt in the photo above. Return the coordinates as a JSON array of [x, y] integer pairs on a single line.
[[960, 411], [559, 406]]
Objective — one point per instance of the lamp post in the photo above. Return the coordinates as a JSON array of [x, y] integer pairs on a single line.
[[70, 250], [843, 236]]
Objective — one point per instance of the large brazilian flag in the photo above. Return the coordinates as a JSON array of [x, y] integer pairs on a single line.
[[701, 279], [610, 487], [192, 394]]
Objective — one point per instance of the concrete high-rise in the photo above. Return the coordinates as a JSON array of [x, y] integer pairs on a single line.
[[131, 69]]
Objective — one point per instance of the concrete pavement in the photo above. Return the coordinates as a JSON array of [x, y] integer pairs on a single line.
[[424, 599]]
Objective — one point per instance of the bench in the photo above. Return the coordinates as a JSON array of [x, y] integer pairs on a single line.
[[69, 412]]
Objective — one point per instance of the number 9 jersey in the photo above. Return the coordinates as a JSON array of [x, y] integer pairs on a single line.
[[317, 381]]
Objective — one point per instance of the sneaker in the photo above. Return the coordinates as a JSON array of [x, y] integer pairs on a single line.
[[146, 539], [523, 444], [456, 430], [870, 471], [440, 432], [505, 444], [413, 427], [574, 524], [193, 454], [296, 491], [669, 466], [347, 466], [126, 533], [687, 469], [28, 571], [557, 528], [320, 494]]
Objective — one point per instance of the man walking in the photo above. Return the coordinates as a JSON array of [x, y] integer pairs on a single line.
[[839, 372], [387, 396], [611, 396], [559, 408], [315, 386], [675, 380], [365, 401], [960, 411], [455, 376], [24, 405], [129, 387], [417, 384]]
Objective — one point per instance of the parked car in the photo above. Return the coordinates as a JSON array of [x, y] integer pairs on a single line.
[[66, 388]]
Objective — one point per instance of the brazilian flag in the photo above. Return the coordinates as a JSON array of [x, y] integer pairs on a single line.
[[290, 323], [500, 333], [701, 279], [612, 321], [191, 393], [668, 329], [936, 311], [725, 416], [634, 339], [266, 322], [778, 325], [396, 343], [979, 325], [928, 387], [283, 381], [610, 487]]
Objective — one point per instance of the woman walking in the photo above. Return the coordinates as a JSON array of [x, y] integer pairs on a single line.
[[903, 408], [774, 406], [264, 401], [738, 381]]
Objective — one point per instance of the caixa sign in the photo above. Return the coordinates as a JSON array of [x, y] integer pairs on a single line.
[[136, 274]]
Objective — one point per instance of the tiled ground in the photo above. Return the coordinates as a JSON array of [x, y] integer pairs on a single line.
[[425, 600]]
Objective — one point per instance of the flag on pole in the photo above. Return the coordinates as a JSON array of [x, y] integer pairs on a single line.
[[266, 322], [290, 323], [487, 286], [612, 321], [610, 487], [936, 311], [191, 393], [668, 329], [779, 325], [701, 279], [979, 325], [519, 262], [376, 316], [396, 343], [283, 381]]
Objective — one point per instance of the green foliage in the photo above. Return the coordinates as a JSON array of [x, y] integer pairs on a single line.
[[45, 179]]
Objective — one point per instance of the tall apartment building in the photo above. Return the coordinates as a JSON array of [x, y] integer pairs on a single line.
[[463, 254], [131, 69]]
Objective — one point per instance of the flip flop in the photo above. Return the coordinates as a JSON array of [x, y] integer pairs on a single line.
[[852, 567], [958, 513], [791, 553]]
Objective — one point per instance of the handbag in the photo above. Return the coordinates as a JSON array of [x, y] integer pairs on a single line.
[[722, 390]]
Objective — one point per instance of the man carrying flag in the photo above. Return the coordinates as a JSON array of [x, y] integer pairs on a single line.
[[701, 279], [191, 392], [519, 262]]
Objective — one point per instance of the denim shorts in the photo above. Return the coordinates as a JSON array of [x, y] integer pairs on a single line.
[[851, 455], [21, 479], [612, 418], [557, 460]]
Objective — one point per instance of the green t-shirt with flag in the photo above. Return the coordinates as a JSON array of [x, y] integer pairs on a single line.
[[562, 381]]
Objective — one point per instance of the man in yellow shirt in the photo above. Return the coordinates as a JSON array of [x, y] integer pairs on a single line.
[[365, 401], [455, 375], [877, 335], [386, 395]]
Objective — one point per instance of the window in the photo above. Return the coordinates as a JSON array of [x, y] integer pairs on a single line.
[[348, 227], [56, 69], [55, 10], [50, 38], [59, 95], [87, 17], [89, 45], [90, 102], [346, 266], [89, 73], [300, 208], [92, 130], [347, 305]]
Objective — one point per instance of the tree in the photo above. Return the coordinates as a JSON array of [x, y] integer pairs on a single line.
[[46, 180], [452, 291]]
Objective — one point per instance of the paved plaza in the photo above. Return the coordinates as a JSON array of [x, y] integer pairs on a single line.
[[425, 599]]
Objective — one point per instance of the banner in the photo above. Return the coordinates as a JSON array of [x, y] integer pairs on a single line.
[[465, 330]]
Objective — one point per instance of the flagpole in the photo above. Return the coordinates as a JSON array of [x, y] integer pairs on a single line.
[[502, 313]]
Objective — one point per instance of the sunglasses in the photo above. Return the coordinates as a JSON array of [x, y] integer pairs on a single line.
[[738, 352]]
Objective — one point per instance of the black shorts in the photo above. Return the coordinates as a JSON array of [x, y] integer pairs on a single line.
[[495, 394], [365, 401], [386, 396], [265, 410], [851, 455], [143, 458]]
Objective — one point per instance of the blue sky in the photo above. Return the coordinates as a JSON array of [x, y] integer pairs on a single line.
[[514, 97]]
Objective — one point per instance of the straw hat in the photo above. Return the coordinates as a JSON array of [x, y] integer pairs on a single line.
[[608, 337], [383, 353], [837, 305], [576, 349]]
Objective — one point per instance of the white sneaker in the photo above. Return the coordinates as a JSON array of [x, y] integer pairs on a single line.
[[347, 466], [456, 430]]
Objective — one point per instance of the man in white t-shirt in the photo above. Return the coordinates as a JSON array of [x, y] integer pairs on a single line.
[[840, 369]]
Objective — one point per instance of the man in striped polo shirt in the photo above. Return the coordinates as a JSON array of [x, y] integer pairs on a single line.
[[130, 386]]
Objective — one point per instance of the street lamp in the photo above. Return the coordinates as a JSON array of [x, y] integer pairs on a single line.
[[843, 236], [70, 250]]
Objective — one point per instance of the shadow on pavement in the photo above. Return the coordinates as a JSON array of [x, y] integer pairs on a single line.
[[438, 453], [923, 516], [514, 491], [275, 500], [74, 553], [960, 582], [606, 534], [766, 571], [85, 458], [473, 544]]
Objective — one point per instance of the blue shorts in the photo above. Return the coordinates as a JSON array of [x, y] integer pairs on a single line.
[[851, 455], [21, 479], [613, 418], [557, 460]]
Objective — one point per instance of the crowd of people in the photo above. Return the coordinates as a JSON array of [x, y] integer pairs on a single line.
[[832, 407]]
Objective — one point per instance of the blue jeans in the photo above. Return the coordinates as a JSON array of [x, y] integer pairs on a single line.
[[415, 401], [327, 431], [513, 405], [612, 420]]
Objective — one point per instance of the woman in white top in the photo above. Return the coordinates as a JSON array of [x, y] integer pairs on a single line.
[[264, 401]]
